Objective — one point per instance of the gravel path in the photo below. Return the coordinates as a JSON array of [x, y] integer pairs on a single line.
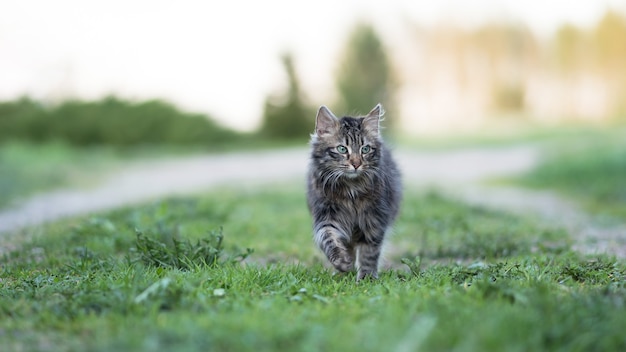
[[456, 172]]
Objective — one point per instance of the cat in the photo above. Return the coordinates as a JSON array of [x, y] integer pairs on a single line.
[[353, 190]]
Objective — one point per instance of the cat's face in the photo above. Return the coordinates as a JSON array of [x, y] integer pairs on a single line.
[[347, 147]]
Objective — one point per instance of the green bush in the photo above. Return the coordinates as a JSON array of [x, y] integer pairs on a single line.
[[110, 121]]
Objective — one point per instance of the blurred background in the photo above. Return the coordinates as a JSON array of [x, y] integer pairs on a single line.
[[247, 74], [438, 67]]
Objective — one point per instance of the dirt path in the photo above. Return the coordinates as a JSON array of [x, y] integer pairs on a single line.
[[457, 172]]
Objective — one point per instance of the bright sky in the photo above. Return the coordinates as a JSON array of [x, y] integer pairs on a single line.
[[220, 58]]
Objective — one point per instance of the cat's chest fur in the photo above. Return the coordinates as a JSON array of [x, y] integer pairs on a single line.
[[347, 198], [349, 191]]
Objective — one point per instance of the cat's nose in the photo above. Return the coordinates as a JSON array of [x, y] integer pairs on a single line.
[[356, 164]]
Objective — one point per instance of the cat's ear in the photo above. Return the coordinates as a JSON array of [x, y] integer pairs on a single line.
[[371, 122], [325, 122]]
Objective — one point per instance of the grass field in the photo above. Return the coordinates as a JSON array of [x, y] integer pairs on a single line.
[[27, 168], [457, 278], [589, 169]]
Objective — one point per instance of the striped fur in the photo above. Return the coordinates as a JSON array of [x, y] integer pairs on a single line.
[[354, 190]]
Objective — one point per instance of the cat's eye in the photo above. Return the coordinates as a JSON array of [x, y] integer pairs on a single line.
[[365, 149], [341, 149]]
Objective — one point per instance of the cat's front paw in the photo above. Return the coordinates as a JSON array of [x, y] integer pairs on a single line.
[[366, 274], [343, 263], [340, 258]]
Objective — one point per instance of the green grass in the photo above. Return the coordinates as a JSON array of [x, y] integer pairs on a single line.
[[27, 168], [590, 170], [161, 277]]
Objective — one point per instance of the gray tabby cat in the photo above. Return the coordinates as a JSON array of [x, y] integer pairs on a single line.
[[354, 190]]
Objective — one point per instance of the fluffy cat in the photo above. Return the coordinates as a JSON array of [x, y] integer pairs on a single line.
[[354, 190]]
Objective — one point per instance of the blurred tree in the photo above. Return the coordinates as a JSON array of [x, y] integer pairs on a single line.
[[511, 53], [288, 116], [569, 46], [365, 76], [609, 38]]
